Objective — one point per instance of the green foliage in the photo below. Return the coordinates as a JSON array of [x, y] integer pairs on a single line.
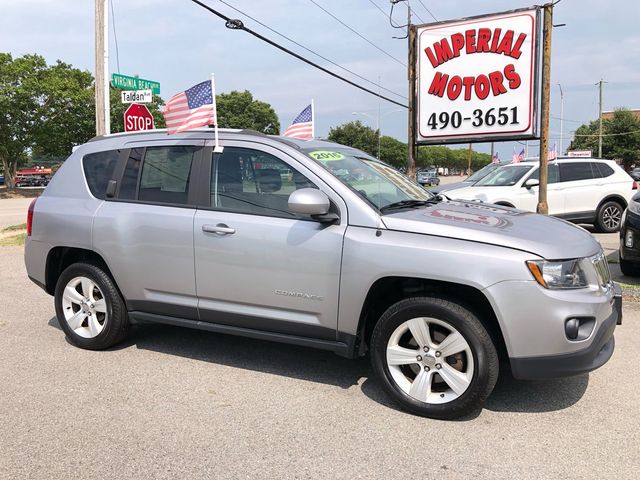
[[620, 141], [393, 151], [357, 135], [240, 110]]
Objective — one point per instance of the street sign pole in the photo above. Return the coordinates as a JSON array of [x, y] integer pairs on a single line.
[[411, 162], [543, 207]]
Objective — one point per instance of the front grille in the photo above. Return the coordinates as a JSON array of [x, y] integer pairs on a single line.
[[602, 268]]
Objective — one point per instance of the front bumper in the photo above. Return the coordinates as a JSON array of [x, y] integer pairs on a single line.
[[630, 226], [533, 322], [575, 363]]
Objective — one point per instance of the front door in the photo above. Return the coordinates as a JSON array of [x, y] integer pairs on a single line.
[[258, 265], [528, 197]]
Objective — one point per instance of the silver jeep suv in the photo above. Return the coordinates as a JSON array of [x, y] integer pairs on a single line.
[[314, 243]]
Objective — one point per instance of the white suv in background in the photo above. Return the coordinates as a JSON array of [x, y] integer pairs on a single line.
[[590, 190]]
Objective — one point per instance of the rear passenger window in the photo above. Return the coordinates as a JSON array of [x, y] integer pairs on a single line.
[[129, 184], [254, 182], [570, 172], [602, 170], [98, 170], [165, 175]]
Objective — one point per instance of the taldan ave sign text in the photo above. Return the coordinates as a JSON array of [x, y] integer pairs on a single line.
[[476, 78]]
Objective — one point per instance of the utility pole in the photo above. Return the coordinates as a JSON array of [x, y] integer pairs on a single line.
[[492, 150], [378, 122], [469, 160], [543, 207], [600, 118], [561, 116], [103, 120], [411, 35]]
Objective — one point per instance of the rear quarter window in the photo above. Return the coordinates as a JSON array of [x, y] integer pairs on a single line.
[[98, 170], [602, 170]]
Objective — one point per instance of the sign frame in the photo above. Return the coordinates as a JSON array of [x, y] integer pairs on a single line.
[[484, 137], [136, 83]]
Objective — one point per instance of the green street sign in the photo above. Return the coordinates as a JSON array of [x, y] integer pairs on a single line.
[[126, 82]]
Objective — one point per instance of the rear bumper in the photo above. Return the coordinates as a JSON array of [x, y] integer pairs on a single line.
[[564, 365]]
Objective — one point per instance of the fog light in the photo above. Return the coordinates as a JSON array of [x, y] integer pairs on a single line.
[[628, 239], [579, 328]]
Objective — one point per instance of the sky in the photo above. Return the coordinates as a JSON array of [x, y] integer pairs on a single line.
[[180, 44]]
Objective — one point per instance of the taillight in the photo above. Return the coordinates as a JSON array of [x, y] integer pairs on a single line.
[[635, 185], [32, 205]]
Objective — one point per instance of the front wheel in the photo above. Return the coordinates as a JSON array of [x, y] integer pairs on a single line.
[[609, 216], [434, 357]]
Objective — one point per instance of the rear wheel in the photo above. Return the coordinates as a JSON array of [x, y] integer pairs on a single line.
[[609, 217], [89, 307], [434, 357]]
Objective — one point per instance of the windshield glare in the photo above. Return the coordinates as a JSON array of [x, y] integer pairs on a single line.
[[376, 182], [483, 172], [504, 176]]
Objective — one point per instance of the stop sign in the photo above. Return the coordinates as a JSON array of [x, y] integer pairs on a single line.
[[137, 117]]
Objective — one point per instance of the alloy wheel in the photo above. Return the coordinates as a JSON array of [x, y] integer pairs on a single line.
[[84, 307]]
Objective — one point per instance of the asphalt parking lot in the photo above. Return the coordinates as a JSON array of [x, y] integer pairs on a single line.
[[178, 403]]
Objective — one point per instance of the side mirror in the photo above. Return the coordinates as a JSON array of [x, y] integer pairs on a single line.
[[532, 182], [313, 202]]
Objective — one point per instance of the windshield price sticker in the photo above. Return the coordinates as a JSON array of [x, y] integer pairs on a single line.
[[476, 78], [326, 155]]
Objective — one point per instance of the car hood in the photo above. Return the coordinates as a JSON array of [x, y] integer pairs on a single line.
[[548, 237]]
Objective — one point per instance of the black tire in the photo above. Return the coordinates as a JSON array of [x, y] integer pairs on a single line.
[[608, 211], [485, 357], [116, 324], [630, 269]]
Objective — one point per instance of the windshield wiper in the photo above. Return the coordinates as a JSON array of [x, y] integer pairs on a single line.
[[408, 204]]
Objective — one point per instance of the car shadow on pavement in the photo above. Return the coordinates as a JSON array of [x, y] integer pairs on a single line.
[[320, 366]]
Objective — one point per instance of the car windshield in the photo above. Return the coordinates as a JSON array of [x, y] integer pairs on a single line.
[[483, 172], [504, 176], [375, 181]]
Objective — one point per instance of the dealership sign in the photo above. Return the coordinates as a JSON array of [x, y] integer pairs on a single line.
[[476, 78]]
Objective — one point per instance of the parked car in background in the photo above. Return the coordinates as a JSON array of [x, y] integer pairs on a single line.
[[630, 238], [470, 180], [1, 179], [594, 191], [427, 178], [346, 255], [635, 173]]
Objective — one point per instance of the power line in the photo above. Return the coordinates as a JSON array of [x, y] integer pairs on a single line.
[[238, 25], [358, 33], [415, 13], [311, 51], [428, 11], [115, 35]]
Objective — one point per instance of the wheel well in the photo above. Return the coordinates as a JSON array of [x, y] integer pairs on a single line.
[[60, 258], [389, 290], [615, 198]]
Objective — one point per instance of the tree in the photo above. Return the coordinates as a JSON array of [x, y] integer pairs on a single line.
[[19, 109], [392, 151], [240, 110], [620, 141], [357, 135]]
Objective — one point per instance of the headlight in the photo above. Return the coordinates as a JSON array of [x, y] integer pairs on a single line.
[[634, 207], [557, 275]]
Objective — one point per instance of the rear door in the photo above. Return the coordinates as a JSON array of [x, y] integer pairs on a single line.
[[258, 265], [579, 185], [145, 233]]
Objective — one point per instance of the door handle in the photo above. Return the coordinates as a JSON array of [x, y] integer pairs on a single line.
[[220, 229]]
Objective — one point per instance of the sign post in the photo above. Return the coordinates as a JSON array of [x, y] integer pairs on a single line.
[[477, 78], [543, 206], [137, 117]]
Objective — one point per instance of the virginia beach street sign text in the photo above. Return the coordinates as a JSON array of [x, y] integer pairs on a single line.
[[477, 78], [137, 96], [126, 82]]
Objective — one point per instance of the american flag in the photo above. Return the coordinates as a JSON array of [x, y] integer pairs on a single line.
[[195, 107], [495, 160], [517, 157], [302, 126], [553, 153]]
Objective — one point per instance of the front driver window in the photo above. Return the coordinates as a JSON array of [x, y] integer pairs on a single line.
[[254, 182]]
